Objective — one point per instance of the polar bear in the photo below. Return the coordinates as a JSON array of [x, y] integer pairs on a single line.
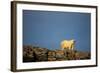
[[67, 44]]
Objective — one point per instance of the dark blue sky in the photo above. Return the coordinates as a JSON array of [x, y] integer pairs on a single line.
[[48, 28]]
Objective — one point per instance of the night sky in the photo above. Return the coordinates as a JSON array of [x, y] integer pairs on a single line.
[[48, 28]]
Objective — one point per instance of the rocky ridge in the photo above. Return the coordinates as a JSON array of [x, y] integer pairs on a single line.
[[37, 54]]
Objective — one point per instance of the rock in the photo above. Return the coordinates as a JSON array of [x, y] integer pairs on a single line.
[[77, 57], [51, 59], [41, 54], [37, 54], [51, 54], [28, 54], [84, 55], [60, 54], [70, 54]]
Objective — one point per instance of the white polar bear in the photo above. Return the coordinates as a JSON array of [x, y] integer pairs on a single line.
[[67, 44]]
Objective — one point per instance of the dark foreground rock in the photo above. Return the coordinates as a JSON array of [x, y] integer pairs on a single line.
[[28, 54], [40, 54], [37, 54]]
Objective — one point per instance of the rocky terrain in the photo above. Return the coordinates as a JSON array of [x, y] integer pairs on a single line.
[[37, 54]]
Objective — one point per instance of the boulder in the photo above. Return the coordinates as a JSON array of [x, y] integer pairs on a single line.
[[51, 54], [28, 54], [41, 54], [51, 59], [84, 55], [60, 54]]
